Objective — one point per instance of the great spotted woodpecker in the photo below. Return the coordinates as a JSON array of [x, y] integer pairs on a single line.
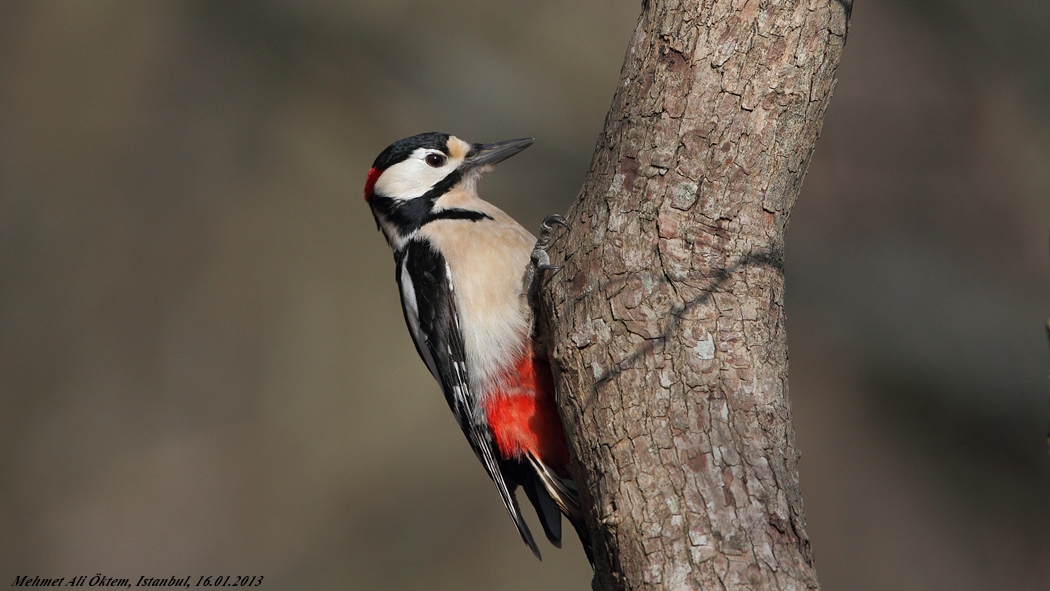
[[465, 270]]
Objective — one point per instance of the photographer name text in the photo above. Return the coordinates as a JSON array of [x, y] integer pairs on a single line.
[[101, 580]]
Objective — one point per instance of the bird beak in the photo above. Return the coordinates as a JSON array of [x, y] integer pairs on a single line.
[[491, 154]]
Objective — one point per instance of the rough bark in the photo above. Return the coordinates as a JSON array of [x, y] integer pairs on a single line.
[[666, 322]]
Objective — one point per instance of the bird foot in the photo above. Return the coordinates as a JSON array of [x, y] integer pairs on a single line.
[[540, 258], [540, 261]]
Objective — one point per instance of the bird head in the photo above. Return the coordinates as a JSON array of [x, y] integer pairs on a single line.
[[429, 164]]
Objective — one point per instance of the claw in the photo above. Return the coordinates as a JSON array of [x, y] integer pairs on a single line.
[[540, 262], [552, 220]]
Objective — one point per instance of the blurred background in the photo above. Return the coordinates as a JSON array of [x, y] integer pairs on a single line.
[[203, 364]]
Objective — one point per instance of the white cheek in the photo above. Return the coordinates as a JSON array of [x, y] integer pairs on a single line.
[[410, 178]]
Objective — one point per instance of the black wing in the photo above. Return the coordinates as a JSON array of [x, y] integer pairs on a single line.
[[430, 311]]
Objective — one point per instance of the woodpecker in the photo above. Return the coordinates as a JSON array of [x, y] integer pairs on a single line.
[[465, 270]]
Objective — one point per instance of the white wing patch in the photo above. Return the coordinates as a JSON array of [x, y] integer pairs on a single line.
[[408, 298]]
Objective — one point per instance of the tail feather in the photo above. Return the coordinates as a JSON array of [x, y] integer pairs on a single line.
[[546, 509], [523, 528], [506, 480], [563, 492]]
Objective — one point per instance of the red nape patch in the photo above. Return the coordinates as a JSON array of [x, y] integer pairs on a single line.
[[523, 416], [370, 183]]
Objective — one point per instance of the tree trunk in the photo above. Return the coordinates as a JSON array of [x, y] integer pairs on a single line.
[[666, 323]]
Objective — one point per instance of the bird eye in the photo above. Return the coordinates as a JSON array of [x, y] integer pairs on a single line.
[[435, 160]]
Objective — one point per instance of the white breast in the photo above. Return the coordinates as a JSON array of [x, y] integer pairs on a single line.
[[487, 260]]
